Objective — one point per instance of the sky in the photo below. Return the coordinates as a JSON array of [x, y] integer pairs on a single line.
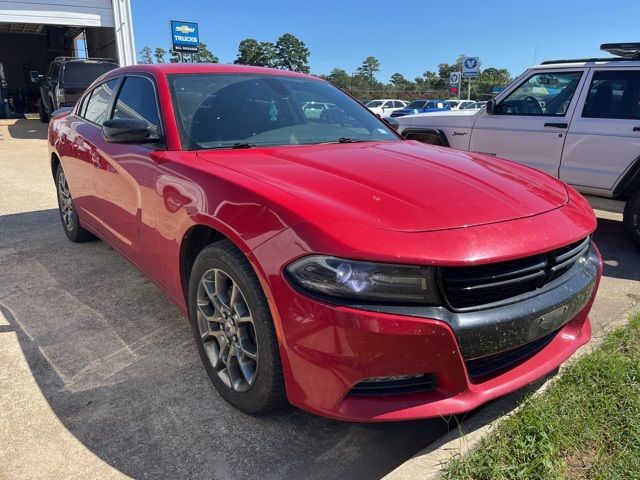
[[408, 36]]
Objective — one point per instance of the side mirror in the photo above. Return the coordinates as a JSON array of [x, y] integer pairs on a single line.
[[35, 76], [128, 130], [490, 107]]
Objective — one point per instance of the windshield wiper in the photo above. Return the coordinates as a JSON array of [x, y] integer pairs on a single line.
[[244, 145], [348, 140]]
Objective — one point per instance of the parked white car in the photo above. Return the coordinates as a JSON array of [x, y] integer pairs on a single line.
[[461, 104], [475, 106], [578, 120], [384, 107]]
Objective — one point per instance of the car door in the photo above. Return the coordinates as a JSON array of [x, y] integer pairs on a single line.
[[85, 130], [603, 141], [126, 173], [530, 123], [47, 88]]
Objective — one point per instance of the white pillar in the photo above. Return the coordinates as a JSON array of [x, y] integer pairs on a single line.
[[124, 32]]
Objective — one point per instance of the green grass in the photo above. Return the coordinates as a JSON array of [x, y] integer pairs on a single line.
[[585, 425]]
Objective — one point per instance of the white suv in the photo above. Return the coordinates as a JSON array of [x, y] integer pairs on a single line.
[[578, 120]]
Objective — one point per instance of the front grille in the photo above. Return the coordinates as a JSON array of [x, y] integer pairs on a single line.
[[369, 388], [482, 368], [468, 288]]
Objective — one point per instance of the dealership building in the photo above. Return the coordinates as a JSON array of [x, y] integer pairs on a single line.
[[34, 32]]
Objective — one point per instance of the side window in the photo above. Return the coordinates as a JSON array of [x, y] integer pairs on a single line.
[[398, 104], [98, 103], [614, 94], [387, 105], [137, 100], [543, 94], [82, 104]]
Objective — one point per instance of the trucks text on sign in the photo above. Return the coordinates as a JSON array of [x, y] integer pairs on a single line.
[[184, 37]]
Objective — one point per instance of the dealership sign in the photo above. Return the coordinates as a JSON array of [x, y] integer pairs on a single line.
[[470, 67], [454, 78], [184, 37]]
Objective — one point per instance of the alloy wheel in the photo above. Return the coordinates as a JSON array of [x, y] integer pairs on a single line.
[[227, 330], [66, 203]]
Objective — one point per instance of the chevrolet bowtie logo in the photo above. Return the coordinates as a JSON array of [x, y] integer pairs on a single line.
[[185, 29]]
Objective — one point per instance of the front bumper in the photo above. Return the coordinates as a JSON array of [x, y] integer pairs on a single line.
[[329, 349]]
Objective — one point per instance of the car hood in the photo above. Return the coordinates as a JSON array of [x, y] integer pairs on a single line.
[[442, 118], [401, 186]]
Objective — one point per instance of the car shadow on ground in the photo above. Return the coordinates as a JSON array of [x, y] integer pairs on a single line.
[[24, 129], [616, 250], [117, 363]]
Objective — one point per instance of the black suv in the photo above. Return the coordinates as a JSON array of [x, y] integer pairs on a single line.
[[66, 79]]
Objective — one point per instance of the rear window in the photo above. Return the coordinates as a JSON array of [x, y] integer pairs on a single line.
[[417, 104], [82, 74]]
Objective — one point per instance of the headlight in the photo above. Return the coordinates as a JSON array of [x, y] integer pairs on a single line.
[[381, 282]]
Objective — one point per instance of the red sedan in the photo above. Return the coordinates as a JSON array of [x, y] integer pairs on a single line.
[[321, 258]]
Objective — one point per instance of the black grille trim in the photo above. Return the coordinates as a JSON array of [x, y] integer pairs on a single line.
[[483, 368], [367, 388], [491, 285]]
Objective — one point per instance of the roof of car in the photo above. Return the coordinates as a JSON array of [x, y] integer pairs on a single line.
[[187, 68], [590, 62]]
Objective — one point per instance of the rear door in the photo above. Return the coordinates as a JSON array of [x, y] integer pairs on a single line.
[[86, 130], [603, 141], [529, 125], [126, 173]]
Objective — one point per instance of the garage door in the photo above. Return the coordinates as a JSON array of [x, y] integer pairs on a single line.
[[89, 13]]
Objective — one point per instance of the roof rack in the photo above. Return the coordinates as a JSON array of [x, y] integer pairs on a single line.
[[624, 50], [587, 60], [96, 59]]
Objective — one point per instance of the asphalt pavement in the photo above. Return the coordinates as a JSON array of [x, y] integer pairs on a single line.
[[101, 375]]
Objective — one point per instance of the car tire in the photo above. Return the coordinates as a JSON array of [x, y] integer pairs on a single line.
[[631, 218], [241, 357], [42, 112], [67, 210]]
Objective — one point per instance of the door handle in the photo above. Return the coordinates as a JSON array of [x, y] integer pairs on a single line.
[[556, 125], [636, 129]]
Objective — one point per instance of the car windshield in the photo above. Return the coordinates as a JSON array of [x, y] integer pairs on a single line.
[[82, 74], [244, 110], [417, 104], [374, 103]]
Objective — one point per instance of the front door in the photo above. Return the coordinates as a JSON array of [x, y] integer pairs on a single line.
[[529, 125], [126, 173]]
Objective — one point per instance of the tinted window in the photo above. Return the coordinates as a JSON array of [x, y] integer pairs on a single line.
[[542, 94], [82, 74], [614, 94], [53, 72], [417, 104], [137, 99], [220, 110], [398, 104], [96, 110], [374, 103]]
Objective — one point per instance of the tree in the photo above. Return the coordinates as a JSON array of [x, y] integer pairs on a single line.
[[252, 52], [399, 82], [145, 55], [291, 54], [370, 66], [339, 78], [205, 55], [159, 54], [174, 56]]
